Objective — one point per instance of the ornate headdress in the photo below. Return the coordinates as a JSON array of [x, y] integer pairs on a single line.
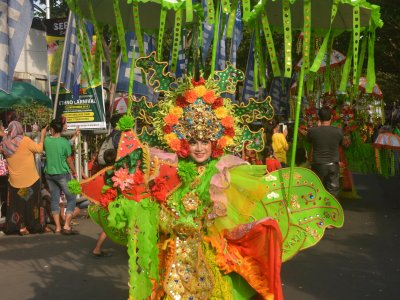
[[196, 110]]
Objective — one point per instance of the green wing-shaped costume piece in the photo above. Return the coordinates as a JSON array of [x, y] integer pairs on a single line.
[[254, 110], [302, 219], [160, 79]]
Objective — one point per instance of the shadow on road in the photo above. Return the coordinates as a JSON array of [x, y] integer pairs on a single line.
[[358, 261]]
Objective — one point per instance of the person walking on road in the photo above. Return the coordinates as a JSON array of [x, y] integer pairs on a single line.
[[325, 140], [59, 166]]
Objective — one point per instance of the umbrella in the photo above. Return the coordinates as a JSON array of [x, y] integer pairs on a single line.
[[388, 141], [120, 105], [376, 92], [337, 59], [23, 93]]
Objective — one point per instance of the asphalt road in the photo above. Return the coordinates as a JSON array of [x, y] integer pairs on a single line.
[[359, 261]]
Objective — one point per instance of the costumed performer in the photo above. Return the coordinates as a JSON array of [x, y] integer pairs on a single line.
[[199, 224]]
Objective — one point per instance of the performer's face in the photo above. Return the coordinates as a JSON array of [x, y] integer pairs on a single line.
[[199, 151]]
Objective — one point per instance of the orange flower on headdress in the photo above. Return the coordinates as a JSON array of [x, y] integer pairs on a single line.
[[200, 90], [190, 96], [221, 112], [171, 119], [177, 111], [175, 145], [227, 122], [221, 143], [209, 97]]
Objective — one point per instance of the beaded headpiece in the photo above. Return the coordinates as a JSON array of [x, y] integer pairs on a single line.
[[195, 110]]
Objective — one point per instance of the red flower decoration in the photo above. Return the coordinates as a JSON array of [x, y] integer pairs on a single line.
[[138, 177], [159, 190], [184, 152], [167, 129], [229, 132], [108, 197], [217, 152], [181, 102], [217, 103], [197, 83]]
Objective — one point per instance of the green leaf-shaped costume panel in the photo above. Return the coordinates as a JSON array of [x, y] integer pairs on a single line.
[[99, 215], [254, 110], [254, 140], [302, 220], [229, 78], [160, 79]]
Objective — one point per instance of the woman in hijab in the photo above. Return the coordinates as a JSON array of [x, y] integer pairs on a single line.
[[23, 204]]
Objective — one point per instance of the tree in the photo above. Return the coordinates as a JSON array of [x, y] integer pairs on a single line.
[[58, 8], [387, 50]]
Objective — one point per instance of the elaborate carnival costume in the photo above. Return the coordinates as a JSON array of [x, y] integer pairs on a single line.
[[215, 230]]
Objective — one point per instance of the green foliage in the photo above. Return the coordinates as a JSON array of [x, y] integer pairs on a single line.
[[33, 113], [58, 9]]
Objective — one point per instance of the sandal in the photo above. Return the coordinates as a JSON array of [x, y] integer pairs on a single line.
[[47, 230], [69, 231], [102, 254], [23, 231]]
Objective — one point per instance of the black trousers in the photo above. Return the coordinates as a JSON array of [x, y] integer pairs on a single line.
[[329, 175]]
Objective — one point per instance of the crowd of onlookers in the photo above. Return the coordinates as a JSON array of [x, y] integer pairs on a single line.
[[35, 195]]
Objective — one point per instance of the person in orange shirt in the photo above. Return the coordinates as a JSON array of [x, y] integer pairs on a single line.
[[23, 204]]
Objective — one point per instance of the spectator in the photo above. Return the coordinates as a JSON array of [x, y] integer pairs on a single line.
[[24, 198], [272, 163], [109, 157], [280, 144], [111, 141], [58, 167], [325, 140]]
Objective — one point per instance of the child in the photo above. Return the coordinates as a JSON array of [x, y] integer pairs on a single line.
[[109, 157], [271, 161]]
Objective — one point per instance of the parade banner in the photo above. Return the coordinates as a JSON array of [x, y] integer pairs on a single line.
[[55, 35], [85, 112]]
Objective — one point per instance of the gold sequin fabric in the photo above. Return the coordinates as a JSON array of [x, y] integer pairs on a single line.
[[188, 275]]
